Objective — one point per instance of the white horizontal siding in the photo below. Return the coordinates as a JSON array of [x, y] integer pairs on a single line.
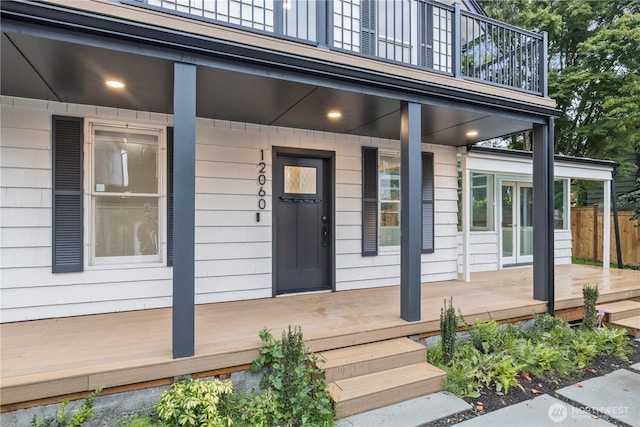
[[562, 247], [233, 251], [28, 289]]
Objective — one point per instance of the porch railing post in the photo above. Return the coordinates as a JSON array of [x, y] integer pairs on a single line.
[[544, 70], [410, 211], [457, 41], [324, 20]]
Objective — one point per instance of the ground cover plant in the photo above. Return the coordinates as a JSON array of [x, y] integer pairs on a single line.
[[66, 418]]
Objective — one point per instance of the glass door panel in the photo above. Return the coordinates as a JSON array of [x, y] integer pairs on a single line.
[[525, 247], [506, 223]]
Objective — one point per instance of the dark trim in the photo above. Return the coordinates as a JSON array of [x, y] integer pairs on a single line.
[[67, 204], [330, 157], [173, 45], [369, 209], [184, 161], [169, 196], [428, 197], [550, 254], [616, 225], [410, 211]]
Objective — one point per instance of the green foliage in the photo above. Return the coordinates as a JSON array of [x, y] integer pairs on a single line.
[[296, 392], [194, 403], [485, 336], [139, 421], [633, 200], [64, 418], [497, 354], [594, 71], [448, 330], [590, 317]]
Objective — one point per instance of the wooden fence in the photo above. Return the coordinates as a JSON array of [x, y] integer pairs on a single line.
[[586, 235]]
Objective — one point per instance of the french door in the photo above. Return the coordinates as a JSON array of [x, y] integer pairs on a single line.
[[516, 223]]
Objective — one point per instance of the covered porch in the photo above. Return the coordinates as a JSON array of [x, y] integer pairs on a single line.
[[46, 360]]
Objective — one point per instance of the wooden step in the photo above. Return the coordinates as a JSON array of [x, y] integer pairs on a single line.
[[367, 392], [369, 358], [619, 310], [631, 324]]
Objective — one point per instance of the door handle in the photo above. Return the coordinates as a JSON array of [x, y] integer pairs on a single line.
[[325, 236]]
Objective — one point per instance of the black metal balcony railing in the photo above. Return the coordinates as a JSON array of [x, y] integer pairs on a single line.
[[420, 33]]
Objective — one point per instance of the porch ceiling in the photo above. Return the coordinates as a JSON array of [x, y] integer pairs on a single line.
[[43, 68]]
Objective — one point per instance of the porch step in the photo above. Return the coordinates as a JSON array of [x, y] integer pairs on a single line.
[[372, 391], [373, 375], [631, 324], [369, 358], [619, 310]]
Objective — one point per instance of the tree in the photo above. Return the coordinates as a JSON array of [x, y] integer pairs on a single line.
[[594, 71]]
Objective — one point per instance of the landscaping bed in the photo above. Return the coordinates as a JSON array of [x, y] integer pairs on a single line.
[[527, 386]]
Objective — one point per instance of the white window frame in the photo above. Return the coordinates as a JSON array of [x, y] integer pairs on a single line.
[[134, 261]]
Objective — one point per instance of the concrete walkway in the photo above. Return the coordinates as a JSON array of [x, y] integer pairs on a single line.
[[616, 395]]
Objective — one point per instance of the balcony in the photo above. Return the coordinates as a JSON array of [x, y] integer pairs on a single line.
[[423, 34]]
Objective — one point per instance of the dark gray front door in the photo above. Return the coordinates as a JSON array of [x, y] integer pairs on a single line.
[[302, 220]]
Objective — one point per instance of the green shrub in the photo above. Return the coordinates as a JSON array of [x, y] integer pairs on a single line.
[[448, 331], [139, 421], [485, 335], [194, 403], [64, 418], [298, 390], [590, 317]]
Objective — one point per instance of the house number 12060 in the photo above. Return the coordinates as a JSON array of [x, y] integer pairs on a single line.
[[262, 180]]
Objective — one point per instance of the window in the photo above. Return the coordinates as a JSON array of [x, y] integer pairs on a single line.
[[481, 202], [125, 195], [389, 199], [381, 201], [560, 204]]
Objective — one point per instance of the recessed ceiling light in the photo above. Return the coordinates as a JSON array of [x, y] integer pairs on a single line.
[[334, 114], [472, 133], [114, 84]]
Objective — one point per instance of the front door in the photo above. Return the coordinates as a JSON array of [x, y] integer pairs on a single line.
[[516, 221], [303, 232]]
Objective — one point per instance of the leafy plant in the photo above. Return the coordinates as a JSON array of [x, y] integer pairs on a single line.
[[298, 394], [485, 335], [590, 317], [448, 330], [64, 418], [194, 403]]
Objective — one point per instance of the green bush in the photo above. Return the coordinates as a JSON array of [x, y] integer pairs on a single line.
[[296, 387], [194, 403], [64, 418], [448, 331], [590, 317], [485, 335]]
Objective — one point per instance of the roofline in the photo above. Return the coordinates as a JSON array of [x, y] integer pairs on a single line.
[[476, 6], [557, 157]]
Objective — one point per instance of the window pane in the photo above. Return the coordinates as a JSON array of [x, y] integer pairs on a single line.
[[300, 180], [389, 168], [481, 202], [560, 205], [390, 224], [126, 226], [125, 162]]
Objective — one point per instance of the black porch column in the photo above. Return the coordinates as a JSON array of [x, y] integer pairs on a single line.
[[411, 205], [543, 202], [184, 171]]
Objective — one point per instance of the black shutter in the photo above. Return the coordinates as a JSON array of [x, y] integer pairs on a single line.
[[368, 27], [427, 204], [67, 195], [169, 196], [369, 201]]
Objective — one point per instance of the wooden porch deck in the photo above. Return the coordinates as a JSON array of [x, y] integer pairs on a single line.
[[45, 359]]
